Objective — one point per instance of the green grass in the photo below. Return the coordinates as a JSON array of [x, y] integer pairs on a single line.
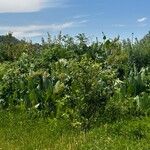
[[20, 131]]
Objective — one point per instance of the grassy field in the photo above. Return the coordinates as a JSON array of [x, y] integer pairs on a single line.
[[71, 93], [18, 131]]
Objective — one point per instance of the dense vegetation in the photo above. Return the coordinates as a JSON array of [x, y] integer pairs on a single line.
[[72, 82]]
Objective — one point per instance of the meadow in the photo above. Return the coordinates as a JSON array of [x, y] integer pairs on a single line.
[[69, 93]]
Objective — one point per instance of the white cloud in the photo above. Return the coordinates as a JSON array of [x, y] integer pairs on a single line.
[[18, 6], [82, 16], [83, 21], [34, 30], [30, 28], [30, 31], [142, 19]]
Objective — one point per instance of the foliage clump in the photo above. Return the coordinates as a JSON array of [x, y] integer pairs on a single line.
[[71, 79]]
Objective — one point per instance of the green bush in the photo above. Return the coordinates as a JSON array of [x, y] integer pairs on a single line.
[[81, 82]]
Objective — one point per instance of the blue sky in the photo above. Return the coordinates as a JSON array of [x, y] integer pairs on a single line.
[[32, 19]]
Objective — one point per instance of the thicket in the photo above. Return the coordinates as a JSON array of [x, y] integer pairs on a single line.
[[76, 80]]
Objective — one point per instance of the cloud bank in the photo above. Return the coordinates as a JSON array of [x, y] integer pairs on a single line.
[[34, 30], [23, 6]]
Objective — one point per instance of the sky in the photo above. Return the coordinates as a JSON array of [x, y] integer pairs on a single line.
[[32, 19]]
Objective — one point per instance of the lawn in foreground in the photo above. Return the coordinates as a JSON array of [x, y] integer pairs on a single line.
[[19, 131]]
